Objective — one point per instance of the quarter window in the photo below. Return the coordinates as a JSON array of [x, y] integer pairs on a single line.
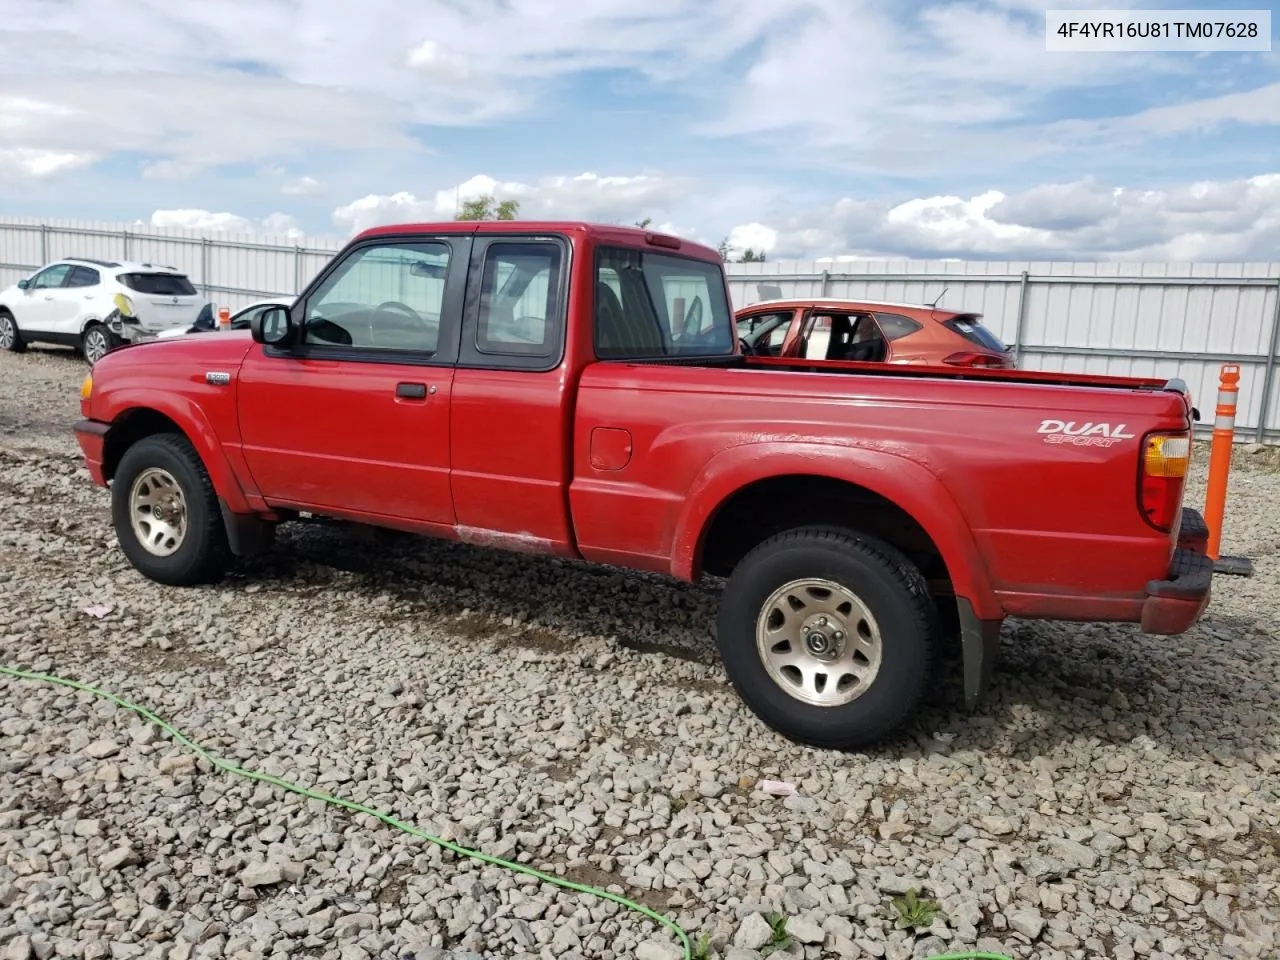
[[82, 277], [894, 326]]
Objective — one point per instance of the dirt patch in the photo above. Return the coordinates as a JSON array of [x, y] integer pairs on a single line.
[[542, 640], [593, 876], [674, 650]]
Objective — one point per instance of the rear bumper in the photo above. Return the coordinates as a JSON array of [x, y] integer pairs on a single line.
[[92, 437], [1173, 605]]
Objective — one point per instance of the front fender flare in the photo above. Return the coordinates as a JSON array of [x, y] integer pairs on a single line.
[[904, 482], [191, 420]]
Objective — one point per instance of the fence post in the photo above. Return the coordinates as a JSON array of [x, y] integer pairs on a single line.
[[44, 244], [826, 280], [297, 270], [1022, 318], [1269, 372], [124, 236], [204, 265]]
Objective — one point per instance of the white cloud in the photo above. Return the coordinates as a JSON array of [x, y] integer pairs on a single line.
[[947, 88], [434, 60], [302, 187], [36, 163], [1086, 219], [938, 88], [586, 196], [752, 236], [208, 221]]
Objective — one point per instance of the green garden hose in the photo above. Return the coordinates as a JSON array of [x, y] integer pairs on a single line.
[[229, 767]]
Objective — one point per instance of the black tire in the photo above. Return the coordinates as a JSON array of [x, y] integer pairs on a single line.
[[894, 593], [94, 331], [203, 553], [13, 342]]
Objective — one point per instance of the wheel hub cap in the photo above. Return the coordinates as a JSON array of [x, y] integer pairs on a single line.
[[158, 512], [819, 642]]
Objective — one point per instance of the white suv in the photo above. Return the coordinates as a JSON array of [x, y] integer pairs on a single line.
[[96, 305]]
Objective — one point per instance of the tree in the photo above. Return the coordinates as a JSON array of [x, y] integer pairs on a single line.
[[750, 256], [644, 223], [724, 249], [487, 208]]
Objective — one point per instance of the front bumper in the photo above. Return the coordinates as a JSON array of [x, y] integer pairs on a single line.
[[130, 330], [1173, 605], [92, 437]]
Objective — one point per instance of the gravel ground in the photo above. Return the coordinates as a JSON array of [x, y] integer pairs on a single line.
[[1117, 796]]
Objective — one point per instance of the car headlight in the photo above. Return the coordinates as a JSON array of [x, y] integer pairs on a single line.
[[123, 304]]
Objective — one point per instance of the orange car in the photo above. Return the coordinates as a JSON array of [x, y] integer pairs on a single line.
[[869, 332]]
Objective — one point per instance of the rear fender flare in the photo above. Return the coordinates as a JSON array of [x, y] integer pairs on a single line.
[[904, 482], [191, 420]]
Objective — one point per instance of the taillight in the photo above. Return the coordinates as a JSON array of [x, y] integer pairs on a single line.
[[967, 359], [1165, 458]]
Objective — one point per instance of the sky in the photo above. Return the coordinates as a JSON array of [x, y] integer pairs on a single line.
[[803, 128]]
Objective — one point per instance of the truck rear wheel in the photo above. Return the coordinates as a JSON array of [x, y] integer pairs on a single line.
[[166, 514], [828, 636]]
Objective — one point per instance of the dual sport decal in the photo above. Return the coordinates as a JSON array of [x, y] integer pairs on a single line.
[[1083, 434]]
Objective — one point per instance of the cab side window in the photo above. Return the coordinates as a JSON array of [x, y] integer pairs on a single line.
[[383, 297]]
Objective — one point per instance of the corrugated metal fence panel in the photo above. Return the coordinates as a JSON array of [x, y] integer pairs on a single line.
[[20, 249], [1085, 316], [1088, 317], [182, 252], [250, 268], [1200, 376]]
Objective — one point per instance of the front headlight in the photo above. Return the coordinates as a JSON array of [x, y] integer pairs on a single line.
[[123, 304], [86, 388]]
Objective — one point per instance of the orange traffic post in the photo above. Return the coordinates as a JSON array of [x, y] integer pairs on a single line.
[[1215, 500], [1224, 430], [224, 318]]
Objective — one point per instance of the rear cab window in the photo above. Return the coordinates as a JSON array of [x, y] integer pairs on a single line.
[[650, 305]]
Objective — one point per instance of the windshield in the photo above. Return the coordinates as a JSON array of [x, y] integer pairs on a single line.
[[658, 305]]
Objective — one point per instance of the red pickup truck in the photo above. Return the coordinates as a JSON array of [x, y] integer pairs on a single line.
[[580, 391]]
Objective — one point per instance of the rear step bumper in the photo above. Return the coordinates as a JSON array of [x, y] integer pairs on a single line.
[[1173, 605]]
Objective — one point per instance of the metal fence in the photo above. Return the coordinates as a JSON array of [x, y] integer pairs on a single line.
[[1139, 319]]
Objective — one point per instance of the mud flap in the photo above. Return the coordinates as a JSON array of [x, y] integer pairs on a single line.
[[247, 533], [980, 640]]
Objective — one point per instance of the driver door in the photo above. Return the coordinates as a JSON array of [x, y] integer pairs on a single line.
[[354, 418], [38, 310]]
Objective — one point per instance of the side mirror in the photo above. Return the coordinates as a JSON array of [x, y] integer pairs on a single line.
[[432, 271], [23, 284], [273, 326]]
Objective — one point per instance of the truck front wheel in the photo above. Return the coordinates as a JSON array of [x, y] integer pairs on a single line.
[[165, 512], [828, 636]]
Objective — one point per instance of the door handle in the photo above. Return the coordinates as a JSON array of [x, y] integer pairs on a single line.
[[411, 391]]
